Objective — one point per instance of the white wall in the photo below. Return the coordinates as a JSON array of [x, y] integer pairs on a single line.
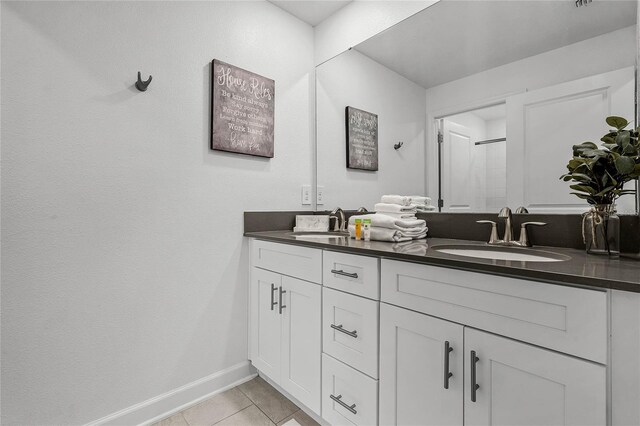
[[124, 267], [360, 20], [353, 79], [582, 59]]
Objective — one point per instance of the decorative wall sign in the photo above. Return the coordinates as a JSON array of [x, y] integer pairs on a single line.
[[362, 139], [242, 111]]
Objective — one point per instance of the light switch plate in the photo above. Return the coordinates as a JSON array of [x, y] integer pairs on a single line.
[[306, 195], [320, 195]]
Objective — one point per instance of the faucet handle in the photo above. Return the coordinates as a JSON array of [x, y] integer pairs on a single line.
[[493, 239], [524, 237], [521, 210]]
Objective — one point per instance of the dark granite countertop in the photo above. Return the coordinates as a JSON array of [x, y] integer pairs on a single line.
[[580, 270]]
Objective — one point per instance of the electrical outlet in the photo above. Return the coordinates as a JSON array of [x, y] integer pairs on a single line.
[[320, 195], [306, 195]]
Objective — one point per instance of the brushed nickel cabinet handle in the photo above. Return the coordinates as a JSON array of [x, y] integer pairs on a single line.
[[281, 307], [273, 290], [447, 374], [338, 399], [346, 274], [474, 386], [353, 333]]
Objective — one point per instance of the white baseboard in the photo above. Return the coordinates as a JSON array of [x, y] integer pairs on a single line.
[[162, 406]]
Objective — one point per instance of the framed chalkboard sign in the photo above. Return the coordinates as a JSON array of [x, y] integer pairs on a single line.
[[362, 139], [242, 111]]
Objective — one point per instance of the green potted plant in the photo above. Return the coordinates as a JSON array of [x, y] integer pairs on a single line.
[[599, 175]]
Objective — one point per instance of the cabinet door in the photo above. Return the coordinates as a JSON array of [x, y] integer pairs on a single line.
[[265, 322], [301, 341], [520, 384], [413, 367]]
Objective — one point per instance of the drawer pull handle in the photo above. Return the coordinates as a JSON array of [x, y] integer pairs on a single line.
[[273, 302], [281, 307], [346, 274], [338, 399], [447, 373], [474, 385], [353, 333]]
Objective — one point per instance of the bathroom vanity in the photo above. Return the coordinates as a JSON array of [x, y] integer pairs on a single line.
[[360, 333]]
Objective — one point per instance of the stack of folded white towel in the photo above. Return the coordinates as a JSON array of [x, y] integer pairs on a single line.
[[418, 202], [388, 228]]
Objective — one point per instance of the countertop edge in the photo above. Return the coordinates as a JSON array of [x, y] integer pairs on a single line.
[[551, 277]]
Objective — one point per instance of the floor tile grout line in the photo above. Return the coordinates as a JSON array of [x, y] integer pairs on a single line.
[[269, 417], [290, 416], [275, 422], [248, 406]]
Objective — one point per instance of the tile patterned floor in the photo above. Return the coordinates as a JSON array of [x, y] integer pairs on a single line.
[[254, 403]]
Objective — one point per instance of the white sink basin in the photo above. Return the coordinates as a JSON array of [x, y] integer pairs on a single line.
[[502, 253]]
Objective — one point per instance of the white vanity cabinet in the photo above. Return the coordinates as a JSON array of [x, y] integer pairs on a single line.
[[428, 375], [523, 384], [361, 340], [350, 305], [421, 369], [494, 379], [285, 339]]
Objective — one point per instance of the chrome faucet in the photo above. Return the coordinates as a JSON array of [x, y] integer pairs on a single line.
[[505, 213], [524, 237], [340, 223], [507, 240]]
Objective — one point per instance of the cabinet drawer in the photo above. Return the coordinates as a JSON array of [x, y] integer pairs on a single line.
[[566, 319], [298, 262], [350, 330], [357, 393], [352, 273]]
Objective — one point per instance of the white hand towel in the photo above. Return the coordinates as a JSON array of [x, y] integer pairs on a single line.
[[393, 208], [414, 233], [404, 216], [383, 221], [396, 199], [382, 234], [423, 209]]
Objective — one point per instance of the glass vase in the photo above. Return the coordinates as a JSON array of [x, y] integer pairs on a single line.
[[601, 230]]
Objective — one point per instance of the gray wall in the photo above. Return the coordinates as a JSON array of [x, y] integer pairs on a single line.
[[124, 268]]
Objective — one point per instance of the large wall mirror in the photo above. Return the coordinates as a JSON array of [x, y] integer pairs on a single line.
[[487, 98]]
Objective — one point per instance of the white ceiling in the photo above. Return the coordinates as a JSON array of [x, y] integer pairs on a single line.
[[456, 38], [311, 12]]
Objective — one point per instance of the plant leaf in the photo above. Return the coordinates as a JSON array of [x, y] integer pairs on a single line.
[[623, 140], [617, 122], [583, 196], [625, 165], [581, 177], [583, 188], [609, 138], [604, 191]]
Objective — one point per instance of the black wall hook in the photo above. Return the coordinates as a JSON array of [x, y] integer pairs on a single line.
[[142, 85], [398, 145]]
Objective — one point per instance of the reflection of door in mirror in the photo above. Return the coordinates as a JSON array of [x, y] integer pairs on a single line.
[[474, 160], [544, 124]]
